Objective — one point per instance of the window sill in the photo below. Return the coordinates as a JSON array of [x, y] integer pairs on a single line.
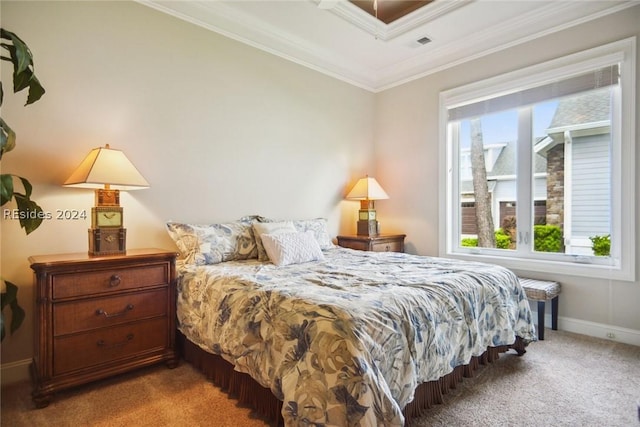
[[601, 271]]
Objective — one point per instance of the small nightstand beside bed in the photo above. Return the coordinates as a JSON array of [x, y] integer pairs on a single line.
[[337, 336], [379, 243], [95, 317]]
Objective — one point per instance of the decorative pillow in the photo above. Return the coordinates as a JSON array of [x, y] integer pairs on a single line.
[[292, 248], [254, 218], [213, 243], [318, 227], [260, 228]]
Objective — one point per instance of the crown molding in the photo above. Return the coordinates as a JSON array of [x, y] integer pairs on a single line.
[[232, 22], [421, 66]]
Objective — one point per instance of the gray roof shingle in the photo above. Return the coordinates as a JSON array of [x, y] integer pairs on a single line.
[[589, 107]]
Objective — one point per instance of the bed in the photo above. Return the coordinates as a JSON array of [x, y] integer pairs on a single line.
[[332, 336]]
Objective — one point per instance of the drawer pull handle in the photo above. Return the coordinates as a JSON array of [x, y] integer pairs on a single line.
[[387, 248], [114, 281], [101, 312], [104, 345]]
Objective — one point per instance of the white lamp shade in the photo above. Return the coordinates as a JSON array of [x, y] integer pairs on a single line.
[[367, 188], [106, 166]]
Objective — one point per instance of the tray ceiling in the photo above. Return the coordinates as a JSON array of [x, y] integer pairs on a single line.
[[390, 11], [341, 39]]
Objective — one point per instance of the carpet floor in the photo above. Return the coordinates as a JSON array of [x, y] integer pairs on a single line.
[[565, 380]]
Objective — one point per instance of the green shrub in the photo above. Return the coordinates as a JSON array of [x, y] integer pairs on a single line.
[[601, 245], [503, 240], [469, 242], [547, 238]]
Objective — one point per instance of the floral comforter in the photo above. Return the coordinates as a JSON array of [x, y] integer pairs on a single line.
[[345, 341]]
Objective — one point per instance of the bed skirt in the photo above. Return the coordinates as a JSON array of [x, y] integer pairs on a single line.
[[248, 392]]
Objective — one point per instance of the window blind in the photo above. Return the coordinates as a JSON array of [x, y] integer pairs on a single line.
[[598, 78]]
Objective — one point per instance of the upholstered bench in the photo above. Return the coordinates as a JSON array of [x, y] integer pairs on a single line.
[[542, 291]]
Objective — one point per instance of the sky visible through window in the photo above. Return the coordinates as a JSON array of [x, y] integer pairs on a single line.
[[503, 127]]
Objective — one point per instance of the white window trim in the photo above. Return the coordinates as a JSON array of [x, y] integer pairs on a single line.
[[622, 266]]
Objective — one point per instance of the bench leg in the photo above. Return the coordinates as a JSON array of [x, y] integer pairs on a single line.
[[554, 313], [541, 320]]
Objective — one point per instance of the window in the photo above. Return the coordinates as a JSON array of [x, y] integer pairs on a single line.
[[540, 166]]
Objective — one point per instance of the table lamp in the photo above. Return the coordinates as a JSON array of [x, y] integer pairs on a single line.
[[367, 190], [108, 171]]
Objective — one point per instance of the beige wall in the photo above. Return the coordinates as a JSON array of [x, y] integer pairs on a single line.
[[219, 129], [408, 150]]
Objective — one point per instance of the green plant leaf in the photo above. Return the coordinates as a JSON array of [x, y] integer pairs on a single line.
[[10, 298], [23, 67], [8, 138], [28, 188], [22, 80], [30, 213], [35, 90], [20, 53], [27, 79], [6, 188]]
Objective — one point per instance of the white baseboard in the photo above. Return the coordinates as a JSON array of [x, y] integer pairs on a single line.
[[598, 330], [14, 372], [592, 329]]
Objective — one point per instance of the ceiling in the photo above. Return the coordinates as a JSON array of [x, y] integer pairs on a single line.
[[338, 38], [389, 11]]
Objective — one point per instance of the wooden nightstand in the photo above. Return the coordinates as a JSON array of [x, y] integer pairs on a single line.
[[100, 316], [380, 243]]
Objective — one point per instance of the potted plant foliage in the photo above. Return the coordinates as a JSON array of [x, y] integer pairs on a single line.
[[14, 50]]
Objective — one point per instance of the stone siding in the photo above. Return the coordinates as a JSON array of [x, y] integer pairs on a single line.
[[555, 186]]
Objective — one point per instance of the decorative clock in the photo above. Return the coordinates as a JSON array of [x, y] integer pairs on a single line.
[[367, 215], [106, 216]]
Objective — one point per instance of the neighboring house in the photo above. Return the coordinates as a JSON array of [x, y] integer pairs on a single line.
[[500, 161], [578, 153], [572, 174]]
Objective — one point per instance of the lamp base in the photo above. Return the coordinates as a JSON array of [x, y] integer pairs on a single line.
[[107, 197], [107, 241], [368, 228]]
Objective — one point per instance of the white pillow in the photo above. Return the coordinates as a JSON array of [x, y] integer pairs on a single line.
[[260, 228], [319, 228], [292, 248]]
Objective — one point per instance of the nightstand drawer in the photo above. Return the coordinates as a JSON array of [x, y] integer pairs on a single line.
[[112, 280], [389, 246], [379, 243], [79, 351], [359, 245], [78, 316]]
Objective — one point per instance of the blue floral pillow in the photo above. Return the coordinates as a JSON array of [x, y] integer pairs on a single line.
[[202, 244]]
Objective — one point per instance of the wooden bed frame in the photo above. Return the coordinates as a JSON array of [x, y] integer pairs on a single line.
[[248, 392]]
